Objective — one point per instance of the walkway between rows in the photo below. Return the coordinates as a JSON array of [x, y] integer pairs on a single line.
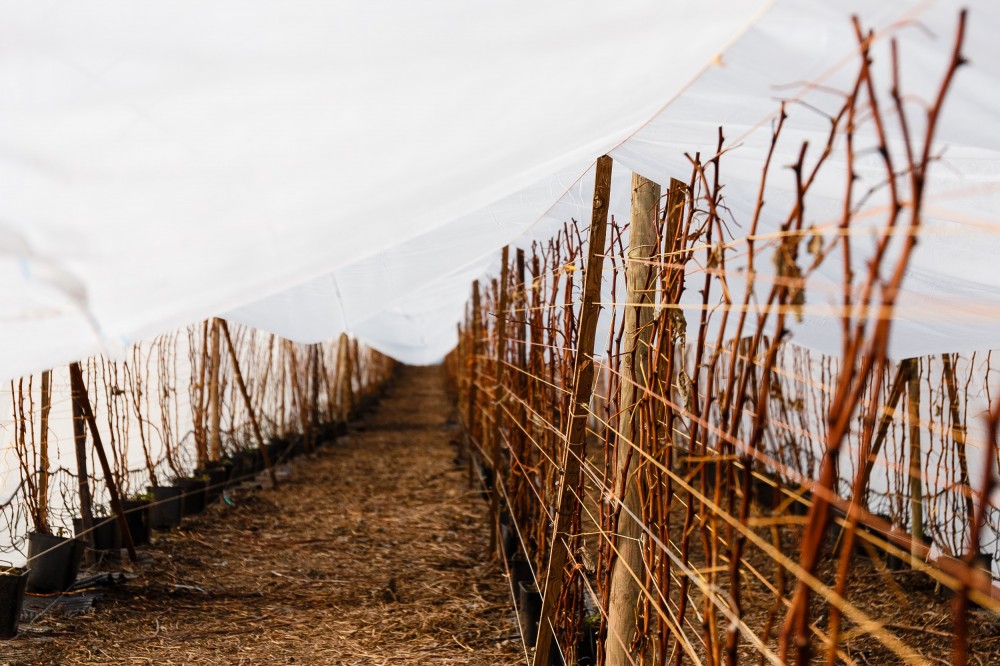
[[373, 552]]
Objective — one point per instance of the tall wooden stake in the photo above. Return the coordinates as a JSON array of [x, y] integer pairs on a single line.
[[356, 366], [344, 377], [43, 450], [638, 314], [246, 399], [470, 423], [314, 421], [583, 387], [497, 388], [79, 389], [214, 402], [82, 473], [958, 435], [298, 394], [904, 371], [916, 458]]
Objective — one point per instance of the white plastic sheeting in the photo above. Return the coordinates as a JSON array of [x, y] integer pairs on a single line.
[[309, 168]]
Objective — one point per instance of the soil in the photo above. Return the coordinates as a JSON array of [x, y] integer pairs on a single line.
[[373, 551]]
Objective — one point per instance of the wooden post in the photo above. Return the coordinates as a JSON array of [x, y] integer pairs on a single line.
[[214, 403], [916, 458], [638, 315], [331, 414], [470, 423], [344, 375], [314, 421], [356, 366], [298, 395], [79, 389], [501, 329], [520, 381], [905, 370], [43, 450], [83, 475], [576, 430], [958, 435], [246, 399], [521, 320]]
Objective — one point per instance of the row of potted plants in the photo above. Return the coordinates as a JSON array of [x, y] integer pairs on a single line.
[[54, 560], [528, 599]]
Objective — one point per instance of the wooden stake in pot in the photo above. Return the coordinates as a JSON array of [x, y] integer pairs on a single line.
[[43, 450], [628, 567], [583, 387], [470, 422], [246, 398], [497, 411], [79, 389], [916, 478], [214, 402], [83, 474]]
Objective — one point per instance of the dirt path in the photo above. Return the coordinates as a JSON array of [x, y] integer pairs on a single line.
[[374, 552]]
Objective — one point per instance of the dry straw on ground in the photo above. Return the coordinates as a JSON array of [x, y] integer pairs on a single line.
[[374, 552]]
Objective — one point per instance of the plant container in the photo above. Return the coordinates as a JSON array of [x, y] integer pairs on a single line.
[[193, 499], [521, 571], [137, 518], [528, 611], [165, 509], [508, 540], [54, 560], [13, 581], [107, 535]]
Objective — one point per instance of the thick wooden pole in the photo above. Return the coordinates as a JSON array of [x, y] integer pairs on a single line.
[[314, 421], [79, 389], [521, 318], [905, 370], [638, 314], [496, 447], [249, 404], [958, 435], [916, 460], [356, 366], [82, 473], [576, 431], [470, 422], [43, 450], [214, 401], [344, 374]]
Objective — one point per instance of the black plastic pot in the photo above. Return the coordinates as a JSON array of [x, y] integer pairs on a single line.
[[165, 510], [528, 610], [862, 548], [137, 518], [193, 499], [239, 469], [275, 449], [13, 581], [218, 474], [330, 431], [521, 571], [508, 539], [297, 446], [107, 536], [586, 652], [798, 507], [54, 560], [897, 563], [766, 491], [249, 462]]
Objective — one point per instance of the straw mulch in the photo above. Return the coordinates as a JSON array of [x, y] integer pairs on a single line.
[[373, 552]]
